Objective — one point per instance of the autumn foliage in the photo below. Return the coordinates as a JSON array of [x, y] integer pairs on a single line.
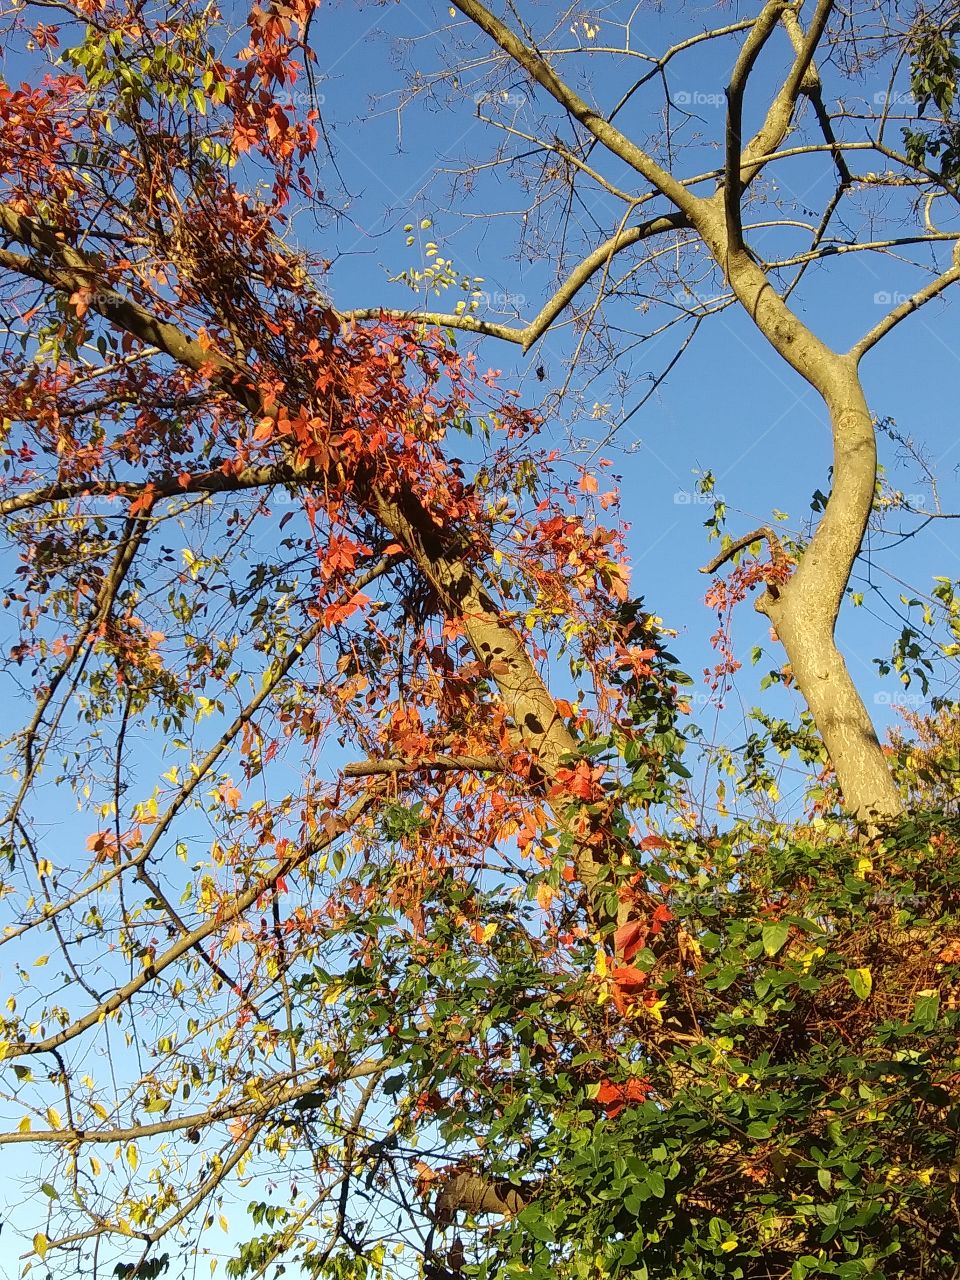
[[359, 912]]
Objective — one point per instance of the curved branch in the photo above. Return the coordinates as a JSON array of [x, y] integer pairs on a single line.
[[776, 547], [913, 303], [548, 313]]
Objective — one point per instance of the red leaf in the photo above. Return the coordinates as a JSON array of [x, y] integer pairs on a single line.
[[628, 977], [614, 1097], [629, 939], [661, 915], [342, 609]]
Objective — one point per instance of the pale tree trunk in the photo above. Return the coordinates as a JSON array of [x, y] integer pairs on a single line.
[[804, 610]]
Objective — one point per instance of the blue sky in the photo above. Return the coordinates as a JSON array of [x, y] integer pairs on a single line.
[[731, 405]]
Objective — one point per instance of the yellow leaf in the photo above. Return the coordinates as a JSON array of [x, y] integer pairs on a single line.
[[24, 1125], [53, 1115], [655, 1008], [545, 896], [600, 966], [40, 1245], [95, 1166], [728, 1245], [133, 1158]]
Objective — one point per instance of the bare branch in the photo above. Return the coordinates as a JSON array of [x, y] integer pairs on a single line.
[[758, 37], [526, 337], [913, 303], [777, 121], [776, 547], [592, 121]]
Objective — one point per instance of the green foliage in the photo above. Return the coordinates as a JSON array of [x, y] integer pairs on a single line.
[[800, 1116], [934, 70]]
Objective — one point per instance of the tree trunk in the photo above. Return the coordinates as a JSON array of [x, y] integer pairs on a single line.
[[804, 611]]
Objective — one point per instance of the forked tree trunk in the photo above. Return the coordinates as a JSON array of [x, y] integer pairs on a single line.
[[804, 611]]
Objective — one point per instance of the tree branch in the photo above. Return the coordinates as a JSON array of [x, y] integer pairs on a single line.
[[611, 137], [372, 768], [529, 334], [165, 486], [527, 701], [467, 1191], [777, 121], [758, 37], [913, 303], [776, 547]]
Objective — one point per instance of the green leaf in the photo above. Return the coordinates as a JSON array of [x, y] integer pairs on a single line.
[[926, 1008], [774, 937], [861, 980], [536, 1225]]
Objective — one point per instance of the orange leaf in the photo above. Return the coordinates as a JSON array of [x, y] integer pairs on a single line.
[[230, 796], [628, 977], [661, 915], [629, 939]]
